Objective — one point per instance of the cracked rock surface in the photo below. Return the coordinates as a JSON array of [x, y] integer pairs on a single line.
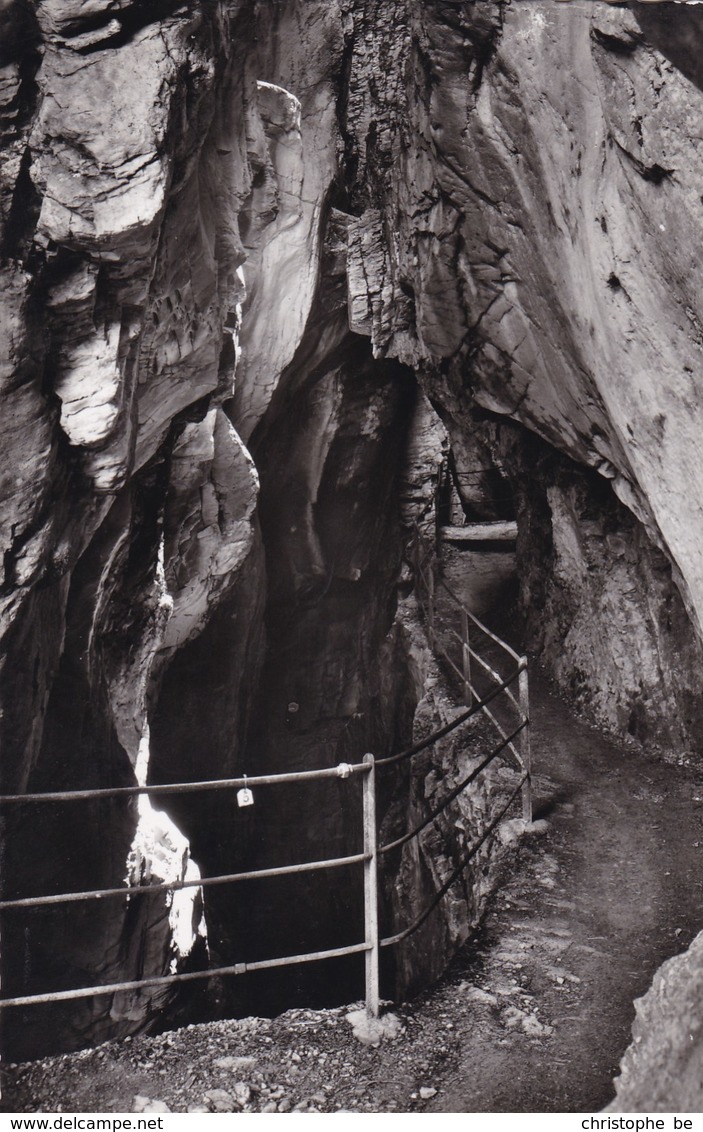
[[243, 247]]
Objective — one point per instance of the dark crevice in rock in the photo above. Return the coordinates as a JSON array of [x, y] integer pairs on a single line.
[[341, 82], [332, 549], [655, 173], [20, 36], [676, 30], [18, 231], [614, 43]]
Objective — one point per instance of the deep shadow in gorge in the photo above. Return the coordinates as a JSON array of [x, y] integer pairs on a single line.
[[676, 32], [284, 226], [85, 844], [333, 685], [328, 685]]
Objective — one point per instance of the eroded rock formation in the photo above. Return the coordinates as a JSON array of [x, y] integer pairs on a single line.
[[243, 244], [661, 1070], [523, 232]]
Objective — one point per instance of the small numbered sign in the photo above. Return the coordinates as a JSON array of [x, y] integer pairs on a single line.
[[245, 797]]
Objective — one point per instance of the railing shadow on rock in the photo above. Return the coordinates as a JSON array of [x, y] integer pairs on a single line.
[[513, 743]]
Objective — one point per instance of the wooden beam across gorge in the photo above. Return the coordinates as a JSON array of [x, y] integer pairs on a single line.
[[503, 530]]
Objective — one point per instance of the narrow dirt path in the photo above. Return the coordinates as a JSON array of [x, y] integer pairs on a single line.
[[610, 889], [533, 1016]]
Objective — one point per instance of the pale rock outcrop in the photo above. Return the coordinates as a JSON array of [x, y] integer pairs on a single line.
[[296, 163], [425, 459], [123, 172], [495, 201], [662, 1069], [513, 231], [210, 505]]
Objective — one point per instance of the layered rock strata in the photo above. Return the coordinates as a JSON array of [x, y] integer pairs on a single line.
[[128, 500], [344, 203]]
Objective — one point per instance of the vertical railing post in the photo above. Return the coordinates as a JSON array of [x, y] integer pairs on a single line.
[[466, 657], [524, 697], [371, 889]]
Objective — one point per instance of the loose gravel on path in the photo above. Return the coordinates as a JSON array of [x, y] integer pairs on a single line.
[[533, 1016]]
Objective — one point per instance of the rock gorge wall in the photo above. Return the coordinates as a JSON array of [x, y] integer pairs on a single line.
[[524, 234], [128, 499], [236, 237]]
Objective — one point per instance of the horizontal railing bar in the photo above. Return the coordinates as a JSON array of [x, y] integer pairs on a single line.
[[192, 787], [484, 664], [472, 617], [499, 727], [479, 624], [311, 957], [389, 941], [453, 793], [179, 885], [479, 472], [186, 977], [494, 676], [478, 706], [448, 660]]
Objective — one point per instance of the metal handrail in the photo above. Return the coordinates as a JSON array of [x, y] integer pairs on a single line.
[[185, 977], [179, 885], [423, 744], [388, 941], [521, 704], [501, 731], [523, 757], [484, 665], [369, 856], [479, 624], [454, 793], [343, 770]]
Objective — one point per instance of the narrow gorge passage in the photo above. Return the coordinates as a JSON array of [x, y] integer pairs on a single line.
[[280, 283], [543, 1008]]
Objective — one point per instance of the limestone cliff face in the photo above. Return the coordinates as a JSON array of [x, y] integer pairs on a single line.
[[526, 178], [127, 501], [242, 244]]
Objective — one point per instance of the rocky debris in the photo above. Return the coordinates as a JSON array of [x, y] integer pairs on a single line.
[[234, 1062], [514, 1017], [220, 1100], [146, 1104], [304, 1061], [372, 1031]]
